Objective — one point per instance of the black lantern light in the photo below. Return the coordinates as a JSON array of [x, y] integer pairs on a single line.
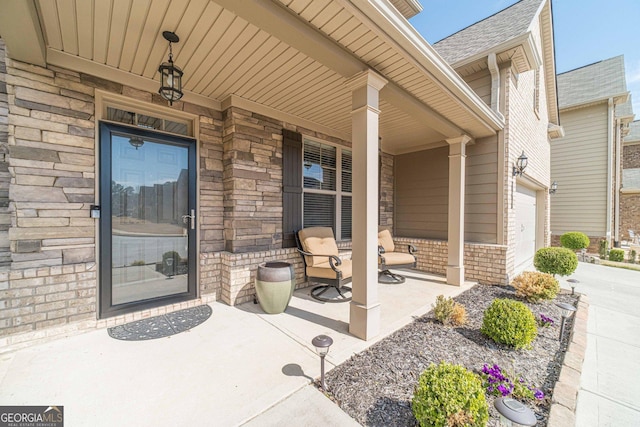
[[553, 188], [170, 75], [521, 164]]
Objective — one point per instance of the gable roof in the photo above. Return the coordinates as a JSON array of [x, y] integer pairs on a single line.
[[497, 29], [593, 82]]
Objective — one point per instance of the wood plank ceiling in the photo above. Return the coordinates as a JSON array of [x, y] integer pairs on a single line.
[[222, 54]]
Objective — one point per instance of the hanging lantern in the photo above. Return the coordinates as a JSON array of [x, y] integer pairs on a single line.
[[170, 75]]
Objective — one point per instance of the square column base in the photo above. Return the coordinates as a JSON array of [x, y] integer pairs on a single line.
[[364, 322], [455, 275]]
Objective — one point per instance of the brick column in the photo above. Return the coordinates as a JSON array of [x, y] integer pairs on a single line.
[[364, 320], [455, 257]]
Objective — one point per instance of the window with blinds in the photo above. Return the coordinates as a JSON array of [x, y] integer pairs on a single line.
[[327, 171]]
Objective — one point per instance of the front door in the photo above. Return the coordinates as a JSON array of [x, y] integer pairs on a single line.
[[147, 221]]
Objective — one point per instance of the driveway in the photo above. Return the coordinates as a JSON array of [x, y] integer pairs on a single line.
[[610, 384]]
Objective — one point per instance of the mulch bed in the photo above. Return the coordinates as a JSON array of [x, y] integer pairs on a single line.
[[375, 387]]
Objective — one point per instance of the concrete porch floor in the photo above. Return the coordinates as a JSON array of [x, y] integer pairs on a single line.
[[241, 365]]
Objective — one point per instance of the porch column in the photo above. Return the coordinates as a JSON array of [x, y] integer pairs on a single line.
[[364, 316], [455, 262]]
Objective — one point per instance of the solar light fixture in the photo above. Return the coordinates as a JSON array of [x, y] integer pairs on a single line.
[[514, 413], [322, 344], [170, 75], [573, 285], [567, 311], [521, 165], [553, 188]]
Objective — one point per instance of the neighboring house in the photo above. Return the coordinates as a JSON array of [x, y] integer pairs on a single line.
[[508, 59], [630, 191], [284, 103], [595, 111]]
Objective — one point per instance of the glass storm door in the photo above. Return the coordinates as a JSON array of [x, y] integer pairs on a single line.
[[147, 225]]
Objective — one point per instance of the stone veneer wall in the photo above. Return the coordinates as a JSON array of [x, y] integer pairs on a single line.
[[386, 191], [630, 202], [485, 263], [50, 133], [5, 178]]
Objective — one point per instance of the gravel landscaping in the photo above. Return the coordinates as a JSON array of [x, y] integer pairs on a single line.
[[375, 387]]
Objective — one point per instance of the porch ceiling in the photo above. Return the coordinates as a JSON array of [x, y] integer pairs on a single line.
[[235, 48]]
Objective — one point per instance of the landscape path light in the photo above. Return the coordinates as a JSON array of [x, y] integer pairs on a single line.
[[322, 344], [573, 285], [567, 311], [514, 413]]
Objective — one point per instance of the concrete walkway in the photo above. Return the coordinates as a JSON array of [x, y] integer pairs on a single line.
[[610, 382], [239, 367]]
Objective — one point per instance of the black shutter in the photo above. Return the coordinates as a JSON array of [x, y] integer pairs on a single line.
[[291, 186]]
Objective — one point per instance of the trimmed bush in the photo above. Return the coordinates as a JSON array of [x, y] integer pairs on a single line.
[[449, 396], [554, 261], [535, 286], [574, 240], [632, 256], [509, 322], [616, 255], [448, 312]]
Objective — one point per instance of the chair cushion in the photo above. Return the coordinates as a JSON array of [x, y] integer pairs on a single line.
[[386, 241], [397, 258], [324, 270], [318, 240]]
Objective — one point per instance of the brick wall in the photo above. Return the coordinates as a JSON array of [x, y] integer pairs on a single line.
[[485, 263]]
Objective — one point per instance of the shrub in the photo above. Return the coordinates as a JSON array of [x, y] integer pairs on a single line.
[[536, 286], [554, 261], [616, 255], [449, 396], [459, 315], [574, 240], [632, 256], [448, 312], [138, 263], [603, 247], [509, 322]]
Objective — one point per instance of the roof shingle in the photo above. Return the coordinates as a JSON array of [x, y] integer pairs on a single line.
[[592, 82], [492, 31]]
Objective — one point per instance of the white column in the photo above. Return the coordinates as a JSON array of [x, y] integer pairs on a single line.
[[455, 261], [364, 317]]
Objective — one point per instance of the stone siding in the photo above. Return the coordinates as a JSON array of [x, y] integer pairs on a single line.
[[485, 263], [631, 156], [629, 214], [252, 181], [386, 191], [5, 178]]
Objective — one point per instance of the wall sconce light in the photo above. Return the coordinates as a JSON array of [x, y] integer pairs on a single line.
[[322, 344], [521, 164], [553, 188], [170, 75]]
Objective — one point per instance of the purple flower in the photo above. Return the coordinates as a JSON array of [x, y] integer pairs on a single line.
[[538, 394]]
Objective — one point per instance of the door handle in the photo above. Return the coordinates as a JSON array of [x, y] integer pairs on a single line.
[[191, 219]]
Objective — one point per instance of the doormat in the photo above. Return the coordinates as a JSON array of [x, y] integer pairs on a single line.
[[161, 326]]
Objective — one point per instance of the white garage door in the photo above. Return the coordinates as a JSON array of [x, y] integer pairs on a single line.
[[525, 206]]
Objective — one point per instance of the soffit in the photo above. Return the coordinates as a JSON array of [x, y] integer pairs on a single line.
[[222, 54]]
